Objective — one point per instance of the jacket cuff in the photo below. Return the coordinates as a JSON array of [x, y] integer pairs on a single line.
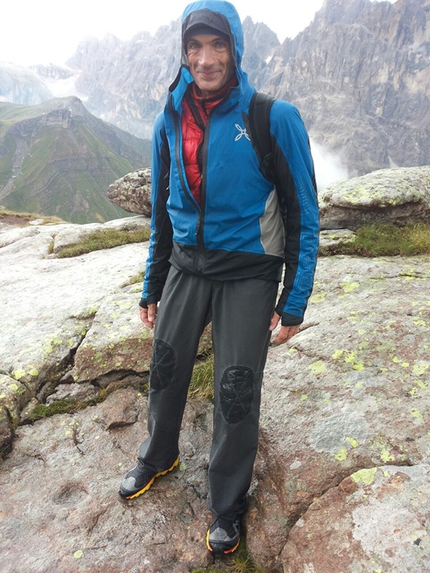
[[290, 319]]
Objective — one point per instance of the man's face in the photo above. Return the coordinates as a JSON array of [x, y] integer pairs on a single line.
[[210, 61]]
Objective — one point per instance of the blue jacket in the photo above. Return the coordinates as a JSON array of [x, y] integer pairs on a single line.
[[237, 231]]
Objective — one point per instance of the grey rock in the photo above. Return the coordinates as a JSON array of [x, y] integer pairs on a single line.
[[349, 392], [359, 74], [48, 305], [14, 397], [60, 494], [351, 528], [332, 237], [391, 196], [133, 192], [73, 392], [115, 341]]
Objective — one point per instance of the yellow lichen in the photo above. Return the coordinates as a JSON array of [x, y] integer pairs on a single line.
[[341, 455], [318, 367], [366, 476]]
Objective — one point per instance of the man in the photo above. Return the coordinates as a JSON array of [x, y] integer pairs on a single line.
[[217, 249]]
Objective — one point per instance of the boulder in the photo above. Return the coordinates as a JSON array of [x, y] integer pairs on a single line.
[[133, 192], [392, 196]]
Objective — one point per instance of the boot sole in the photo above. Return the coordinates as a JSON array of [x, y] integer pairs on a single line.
[[148, 485]]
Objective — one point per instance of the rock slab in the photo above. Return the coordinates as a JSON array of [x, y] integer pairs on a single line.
[[389, 196], [345, 414]]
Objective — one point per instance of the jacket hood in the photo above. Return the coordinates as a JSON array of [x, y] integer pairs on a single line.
[[219, 15]]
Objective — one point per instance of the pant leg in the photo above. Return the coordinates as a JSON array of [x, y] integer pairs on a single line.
[[241, 314], [181, 318]]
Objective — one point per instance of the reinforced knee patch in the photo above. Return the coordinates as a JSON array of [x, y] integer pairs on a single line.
[[236, 393], [163, 363]]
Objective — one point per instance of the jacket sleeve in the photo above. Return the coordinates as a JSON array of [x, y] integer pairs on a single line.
[[297, 194], [160, 242]]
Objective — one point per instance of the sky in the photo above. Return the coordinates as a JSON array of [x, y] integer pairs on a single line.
[[49, 31]]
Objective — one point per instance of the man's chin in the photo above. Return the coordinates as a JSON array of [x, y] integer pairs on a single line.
[[207, 87]]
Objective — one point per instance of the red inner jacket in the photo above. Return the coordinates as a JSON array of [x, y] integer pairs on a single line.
[[195, 111]]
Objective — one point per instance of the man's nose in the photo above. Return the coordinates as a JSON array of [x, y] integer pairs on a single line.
[[206, 56]]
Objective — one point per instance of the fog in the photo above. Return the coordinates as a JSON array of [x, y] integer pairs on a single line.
[[329, 167]]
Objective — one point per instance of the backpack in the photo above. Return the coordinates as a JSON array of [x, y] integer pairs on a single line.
[[259, 123], [259, 119]]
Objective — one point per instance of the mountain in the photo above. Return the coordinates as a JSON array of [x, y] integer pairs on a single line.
[[58, 159], [22, 85], [359, 74], [126, 82]]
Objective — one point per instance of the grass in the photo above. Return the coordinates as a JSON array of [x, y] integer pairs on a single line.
[[136, 279], [24, 218], [370, 241], [66, 172], [384, 240], [103, 239], [202, 385], [239, 562]]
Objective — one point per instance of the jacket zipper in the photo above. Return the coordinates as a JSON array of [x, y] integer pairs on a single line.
[[205, 146], [177, 123], [201, 257]]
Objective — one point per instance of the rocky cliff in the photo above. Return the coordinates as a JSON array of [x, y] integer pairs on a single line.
[[125, 82], [58, 159], [360, 74]]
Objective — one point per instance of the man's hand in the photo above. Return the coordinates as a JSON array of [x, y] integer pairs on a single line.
[[148, 315], [285, 333]]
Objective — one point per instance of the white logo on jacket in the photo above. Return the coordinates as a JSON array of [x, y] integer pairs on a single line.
[[242, 132]]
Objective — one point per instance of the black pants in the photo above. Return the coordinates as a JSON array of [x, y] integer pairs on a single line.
[[240, 311]]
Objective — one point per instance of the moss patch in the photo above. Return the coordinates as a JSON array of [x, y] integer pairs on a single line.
[[103, 239], [384, 240]]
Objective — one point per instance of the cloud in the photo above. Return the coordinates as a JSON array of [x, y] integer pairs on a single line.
[[329, 167]]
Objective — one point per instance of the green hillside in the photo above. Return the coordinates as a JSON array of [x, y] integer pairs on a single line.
[[58, 159]]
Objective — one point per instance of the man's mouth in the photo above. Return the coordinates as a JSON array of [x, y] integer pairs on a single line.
[[208, 76]]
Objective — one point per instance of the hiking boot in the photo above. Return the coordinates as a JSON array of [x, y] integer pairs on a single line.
[[139, 479], [223, 536]]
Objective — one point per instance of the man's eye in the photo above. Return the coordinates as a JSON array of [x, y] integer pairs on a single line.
[[192, 46], [221, 46]]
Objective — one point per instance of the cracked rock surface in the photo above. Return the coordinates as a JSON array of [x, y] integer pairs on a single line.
[[350, 393], [341, 482]]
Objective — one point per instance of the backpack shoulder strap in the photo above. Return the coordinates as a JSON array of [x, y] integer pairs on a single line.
[[259, 119]]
